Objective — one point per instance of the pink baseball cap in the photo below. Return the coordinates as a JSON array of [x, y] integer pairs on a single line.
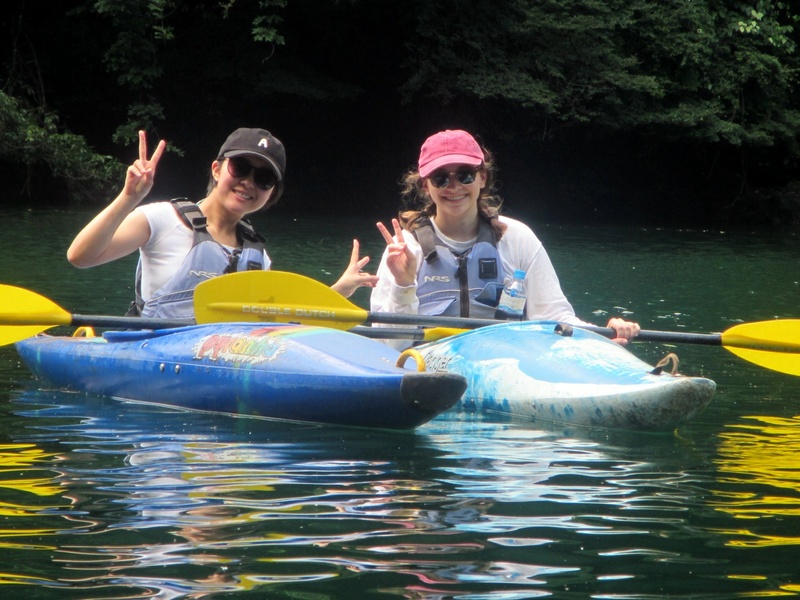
[[449, 147]]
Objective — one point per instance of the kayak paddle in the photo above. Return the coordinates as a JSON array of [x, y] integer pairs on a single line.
[[281, 297], [25, 313]]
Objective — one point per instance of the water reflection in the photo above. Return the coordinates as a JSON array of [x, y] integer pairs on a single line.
[[163, 489], [24, 475], [760, 480], [176, 504]]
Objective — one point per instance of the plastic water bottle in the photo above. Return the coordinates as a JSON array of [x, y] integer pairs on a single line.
[[512, 300]]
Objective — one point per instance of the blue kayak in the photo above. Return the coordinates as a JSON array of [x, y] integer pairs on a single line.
[[528, 370], [292, 372]]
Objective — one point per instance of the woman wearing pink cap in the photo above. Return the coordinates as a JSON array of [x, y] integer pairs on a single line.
[[452, 250], [183, 243]]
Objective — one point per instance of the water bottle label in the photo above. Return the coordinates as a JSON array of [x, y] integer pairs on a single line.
[[511, 304]]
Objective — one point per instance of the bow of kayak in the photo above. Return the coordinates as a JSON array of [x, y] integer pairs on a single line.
[[529, 370], [291, 372]]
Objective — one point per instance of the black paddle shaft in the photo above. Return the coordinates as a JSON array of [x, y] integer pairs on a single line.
[[128, 322], [677, 337]]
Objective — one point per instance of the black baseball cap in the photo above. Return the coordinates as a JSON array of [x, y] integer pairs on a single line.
[[256, 142]]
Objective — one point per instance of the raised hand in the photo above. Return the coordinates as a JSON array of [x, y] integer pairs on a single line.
[[117, 231], [353, 278], [399, 259], [140, 175]]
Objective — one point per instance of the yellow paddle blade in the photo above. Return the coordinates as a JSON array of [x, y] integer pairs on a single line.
[[24, 314], [438, 333], [274, 297], [10, 334], [771, 344]]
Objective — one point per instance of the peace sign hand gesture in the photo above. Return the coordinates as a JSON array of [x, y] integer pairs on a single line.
[[399, 259], [140, 175]]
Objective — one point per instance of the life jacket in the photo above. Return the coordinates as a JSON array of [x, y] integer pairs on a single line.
[[467, 284], [206, 259]]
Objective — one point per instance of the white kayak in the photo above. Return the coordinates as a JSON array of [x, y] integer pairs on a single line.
[[530, 370]]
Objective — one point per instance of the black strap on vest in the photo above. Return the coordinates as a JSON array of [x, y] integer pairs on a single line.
[[194, 218], [463, 282], [427, 241]]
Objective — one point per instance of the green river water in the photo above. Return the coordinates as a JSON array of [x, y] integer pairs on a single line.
[[101, 499]]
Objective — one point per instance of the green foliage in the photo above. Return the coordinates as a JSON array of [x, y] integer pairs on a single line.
[[143, 30], [719, 75], [265, 26], [715, 71], [140, 28], [30, 139]]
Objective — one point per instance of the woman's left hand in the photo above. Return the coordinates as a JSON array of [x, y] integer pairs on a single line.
[[625, 330], [353, 278]]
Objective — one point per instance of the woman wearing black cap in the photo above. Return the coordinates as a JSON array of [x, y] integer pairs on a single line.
[[181, 243]]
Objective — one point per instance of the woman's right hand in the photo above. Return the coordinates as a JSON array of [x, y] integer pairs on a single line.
[[400, 261], [140, 175], [117, 230]]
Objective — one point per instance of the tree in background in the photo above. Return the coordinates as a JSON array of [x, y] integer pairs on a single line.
[[718, 73], [112, 64], [31, 137], [716, 81]]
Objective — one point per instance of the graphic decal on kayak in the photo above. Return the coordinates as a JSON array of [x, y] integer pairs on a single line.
[[239, 349], [437, 362]]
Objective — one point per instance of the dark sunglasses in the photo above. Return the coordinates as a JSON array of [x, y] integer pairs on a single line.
[[464, 175], [263, 177]]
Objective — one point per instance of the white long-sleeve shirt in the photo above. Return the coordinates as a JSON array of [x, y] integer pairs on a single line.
[[519, 248]]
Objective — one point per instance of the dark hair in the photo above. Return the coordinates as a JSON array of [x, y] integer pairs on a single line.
[[418, 206]]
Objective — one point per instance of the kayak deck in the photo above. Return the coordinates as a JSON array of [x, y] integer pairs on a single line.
[[528, 370]]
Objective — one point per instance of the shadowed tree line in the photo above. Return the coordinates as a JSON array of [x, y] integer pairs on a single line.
[[607, 111]]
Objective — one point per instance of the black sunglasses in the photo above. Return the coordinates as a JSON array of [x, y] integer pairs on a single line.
[[464, 175], [264, 177]]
